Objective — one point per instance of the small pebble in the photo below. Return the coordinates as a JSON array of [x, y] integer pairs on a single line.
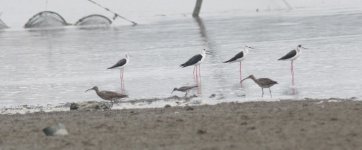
[[55, 130], [200, 131], [189, 108]]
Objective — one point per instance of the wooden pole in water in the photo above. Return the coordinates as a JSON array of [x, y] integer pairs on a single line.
[[197, 8]]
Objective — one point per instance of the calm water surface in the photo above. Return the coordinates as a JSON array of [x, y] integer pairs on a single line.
[[57, 66]]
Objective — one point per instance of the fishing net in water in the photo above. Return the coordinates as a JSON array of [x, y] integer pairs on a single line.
[[46, 19], [94, 20]]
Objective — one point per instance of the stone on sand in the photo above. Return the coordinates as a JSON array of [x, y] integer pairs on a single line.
[[91, 105], [55, 130]]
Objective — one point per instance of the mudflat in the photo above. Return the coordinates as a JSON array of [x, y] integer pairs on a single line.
[[287, 124]]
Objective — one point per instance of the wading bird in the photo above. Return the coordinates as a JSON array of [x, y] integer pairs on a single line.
[[195, 61], [263, 83], [107, 95], [293, 55], [240, 57], [185, 89], [120, 65]]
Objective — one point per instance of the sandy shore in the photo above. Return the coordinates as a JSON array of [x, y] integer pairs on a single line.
[[309, 124]]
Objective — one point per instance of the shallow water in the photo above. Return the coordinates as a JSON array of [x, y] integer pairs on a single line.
[[57, 66]]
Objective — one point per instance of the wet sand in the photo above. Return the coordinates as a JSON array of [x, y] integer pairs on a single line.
[[306, 124]]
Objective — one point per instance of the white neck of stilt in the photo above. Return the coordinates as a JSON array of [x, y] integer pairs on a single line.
[[127, 59], [246, 50], [203, 53], [298, 49]]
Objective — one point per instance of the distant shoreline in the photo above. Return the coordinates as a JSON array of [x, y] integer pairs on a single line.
[[286, 124]]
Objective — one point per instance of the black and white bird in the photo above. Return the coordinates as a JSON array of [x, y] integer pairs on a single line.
[[262, 83], [185, 89], [239, 57], [195, 61], [293, 55], [107, 95], [121, 64]]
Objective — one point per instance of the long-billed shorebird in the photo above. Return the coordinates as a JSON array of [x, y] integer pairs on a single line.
[[185, 89], [263, 83], [120, 65], [293, 55], [107, 95], [195, 61], [239, 57]]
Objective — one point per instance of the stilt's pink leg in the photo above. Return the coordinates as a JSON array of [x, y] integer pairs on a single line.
[[199, 86], [292, 71], [240, 73], [123, 79], [194, 73], [199, 74]]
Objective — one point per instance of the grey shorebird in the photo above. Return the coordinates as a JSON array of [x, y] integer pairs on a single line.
[[293, 55], [239, 57], [108, 95], [185, 89], [263, 83]]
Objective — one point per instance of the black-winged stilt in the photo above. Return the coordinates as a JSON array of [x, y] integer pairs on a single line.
[[263, 83], [107, 95], [120, 65], [185, 89], [293, 55], [195, 61], [239, 57]]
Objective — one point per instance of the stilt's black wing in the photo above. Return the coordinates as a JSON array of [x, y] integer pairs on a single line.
[[237, 56], [192, 60], [120, 63], [291, 54]]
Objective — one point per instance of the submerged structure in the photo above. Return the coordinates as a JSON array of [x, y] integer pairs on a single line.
[[46, 19], [94, 20], [2, 25]]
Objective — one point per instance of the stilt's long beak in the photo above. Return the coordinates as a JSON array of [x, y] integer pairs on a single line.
[[88, 90], [208, 53], [304, 47]]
